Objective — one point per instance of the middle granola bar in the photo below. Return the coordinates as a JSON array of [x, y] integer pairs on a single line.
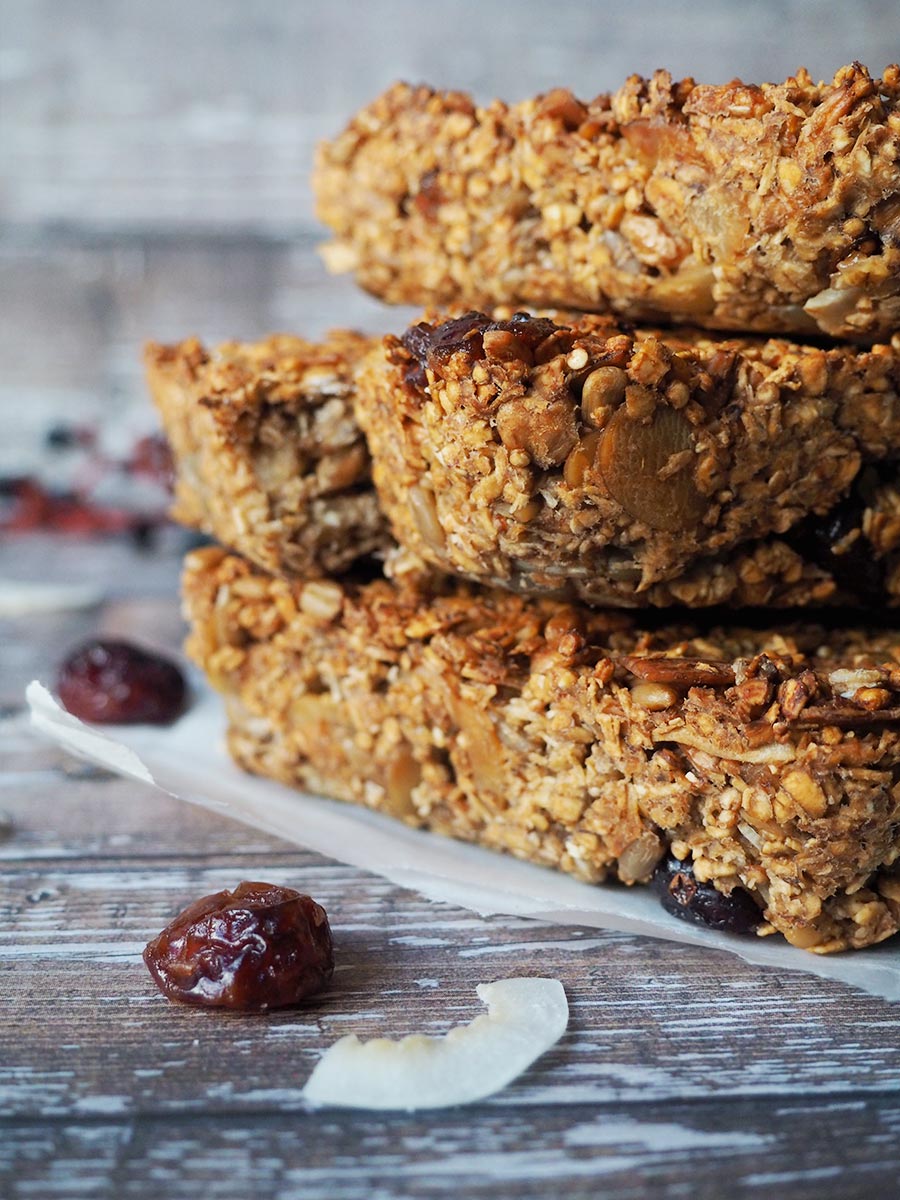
[[584, 458]]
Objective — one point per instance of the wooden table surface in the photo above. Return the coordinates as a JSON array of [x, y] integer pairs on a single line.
[[684, 1072]]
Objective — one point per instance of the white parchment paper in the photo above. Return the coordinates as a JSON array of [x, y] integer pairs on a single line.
[[189, 760]]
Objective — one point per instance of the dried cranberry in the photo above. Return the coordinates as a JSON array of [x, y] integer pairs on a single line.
[[260, 946], [683, 896], [116, 683]]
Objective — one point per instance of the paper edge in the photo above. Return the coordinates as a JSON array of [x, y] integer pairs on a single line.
[[83, 740]]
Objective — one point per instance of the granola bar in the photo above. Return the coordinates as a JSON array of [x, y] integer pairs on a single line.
[[268, 456], [572, 738], [773, 208], [628, 467]]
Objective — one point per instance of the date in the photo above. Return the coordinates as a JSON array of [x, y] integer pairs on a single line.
[[261, 946]]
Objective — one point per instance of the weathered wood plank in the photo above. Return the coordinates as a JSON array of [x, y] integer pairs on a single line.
[[809, 1150], [81, 1018]]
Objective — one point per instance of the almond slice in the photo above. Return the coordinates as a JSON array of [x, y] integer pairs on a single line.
[[635, 458], [525, 1017]]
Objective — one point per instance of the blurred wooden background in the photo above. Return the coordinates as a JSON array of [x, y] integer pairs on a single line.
[[154, 158]]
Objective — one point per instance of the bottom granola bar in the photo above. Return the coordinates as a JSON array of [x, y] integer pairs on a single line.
[[575, 739]]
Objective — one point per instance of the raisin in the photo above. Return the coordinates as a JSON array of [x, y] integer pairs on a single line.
[[856, 570], [435, 345], [116, 683], [260, 946], [683, 896]]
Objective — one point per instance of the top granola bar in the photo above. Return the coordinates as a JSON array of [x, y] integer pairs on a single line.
[[773, 208]]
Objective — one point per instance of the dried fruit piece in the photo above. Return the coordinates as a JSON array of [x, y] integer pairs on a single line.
[[524, 1019], [260, 946], [117, 683], [836, 543], [434, 345], [635, 459], [683, 896]]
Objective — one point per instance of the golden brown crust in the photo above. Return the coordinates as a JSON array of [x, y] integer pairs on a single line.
[[572, 738], [632, 467], [268, 456], [773, 208]]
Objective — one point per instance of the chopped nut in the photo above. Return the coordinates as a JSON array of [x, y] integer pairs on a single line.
[[562, 623], [803, 937], [753, 697], [338, 471], [505, 346], [847, 682], [679, 672], [561, 105], [638, 860], [873, 698], [403, 774], [544, 426], [321, 598], [795, 694], [603, 389], [653, 696], [577, 359], [807, 793], [423, 507], [484, 752], [580, 462]]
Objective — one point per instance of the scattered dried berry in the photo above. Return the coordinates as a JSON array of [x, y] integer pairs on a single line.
[[258, 947], [683, 896], [855, 568], [79, 502], [435, 345], [116, 683]]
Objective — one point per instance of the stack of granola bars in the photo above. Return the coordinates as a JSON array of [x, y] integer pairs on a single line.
[[436, 543]]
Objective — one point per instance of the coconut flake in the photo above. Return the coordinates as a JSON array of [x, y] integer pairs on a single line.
[[525, 1017]]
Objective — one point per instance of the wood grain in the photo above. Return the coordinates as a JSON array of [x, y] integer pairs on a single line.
[[808, 1150]]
